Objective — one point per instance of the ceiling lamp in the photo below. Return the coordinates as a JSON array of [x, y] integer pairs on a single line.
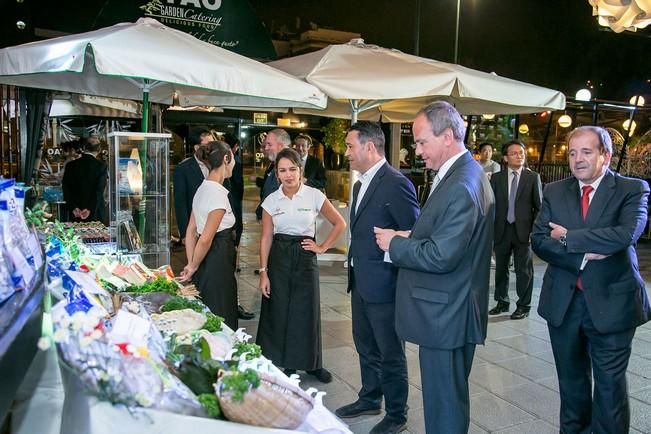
[[583, 95], [637, 100], [523, 129], [622, 15], [565, 121], [488, 116]]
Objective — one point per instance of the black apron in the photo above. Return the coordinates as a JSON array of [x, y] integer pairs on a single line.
[[289, 331], [215, 278]]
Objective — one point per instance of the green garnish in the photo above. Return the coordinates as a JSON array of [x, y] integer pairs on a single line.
[[213, 323], [161, 284], [177, 303], [239, 383], [210, 403], [252, 350]]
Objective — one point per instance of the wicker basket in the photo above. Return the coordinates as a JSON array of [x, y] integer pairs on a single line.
[[273, 404]]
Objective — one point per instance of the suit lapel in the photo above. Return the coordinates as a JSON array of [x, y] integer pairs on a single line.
[[601, 198], [524, 179], [198, 174], [369, 191], [460, 162], [573, 200]]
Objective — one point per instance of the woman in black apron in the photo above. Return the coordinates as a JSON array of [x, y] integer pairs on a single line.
[[289, 331], [209, 238]]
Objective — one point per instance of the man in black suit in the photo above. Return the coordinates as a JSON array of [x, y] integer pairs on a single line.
[[313, 170], [188, 176], [592, 294], [382, 197], [518, 196], [444, 268], [83, 186], [274, 141]]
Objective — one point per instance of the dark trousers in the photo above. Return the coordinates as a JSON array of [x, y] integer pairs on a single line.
[[382, 359], [523, 263], [446, 399], [581, 352]]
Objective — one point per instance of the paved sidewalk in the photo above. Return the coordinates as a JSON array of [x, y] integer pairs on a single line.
[[513, 384]]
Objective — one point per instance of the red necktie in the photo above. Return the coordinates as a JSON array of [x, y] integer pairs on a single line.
[[585, 200], [585, 204]]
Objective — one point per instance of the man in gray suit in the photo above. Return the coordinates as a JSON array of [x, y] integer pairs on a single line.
[[444, 268]]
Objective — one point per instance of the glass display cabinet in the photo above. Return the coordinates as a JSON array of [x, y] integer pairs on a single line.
[[139, 195]]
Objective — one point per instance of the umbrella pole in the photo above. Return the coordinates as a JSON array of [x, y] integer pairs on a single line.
[[143, 160]]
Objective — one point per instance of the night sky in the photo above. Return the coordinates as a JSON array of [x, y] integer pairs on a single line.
[[554, 43]]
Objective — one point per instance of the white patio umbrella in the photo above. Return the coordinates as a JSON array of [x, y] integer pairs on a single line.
[[148, 61], [372, 81]]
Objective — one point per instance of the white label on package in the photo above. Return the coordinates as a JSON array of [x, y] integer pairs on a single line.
[[87, 282], [130, 328]]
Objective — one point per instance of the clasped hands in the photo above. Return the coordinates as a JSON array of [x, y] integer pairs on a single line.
[[81, 213], [383, 237], [558, 231]]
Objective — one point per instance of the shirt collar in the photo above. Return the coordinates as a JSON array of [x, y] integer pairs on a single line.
[[519, 171], [201, 163], [370, 173], [446, 166], [594, 185], [300, 192]]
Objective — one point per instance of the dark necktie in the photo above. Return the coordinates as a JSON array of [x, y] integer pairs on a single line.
[[356, 188], [510, 215], [585, 204]]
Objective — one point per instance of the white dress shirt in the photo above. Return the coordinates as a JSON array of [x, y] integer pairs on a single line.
[[365, 180]]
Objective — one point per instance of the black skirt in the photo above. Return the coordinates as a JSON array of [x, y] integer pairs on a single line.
[[215, 278], [289, 331]]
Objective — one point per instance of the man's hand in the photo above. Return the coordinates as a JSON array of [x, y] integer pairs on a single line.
[[557, 231], [383, 237]]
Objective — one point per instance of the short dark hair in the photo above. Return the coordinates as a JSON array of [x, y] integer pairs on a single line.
[[368, 131], [484, 144], [71, 145], [231, 139], [290, 154], [212, 154], [91, 147], [305, 137], [505, 146]]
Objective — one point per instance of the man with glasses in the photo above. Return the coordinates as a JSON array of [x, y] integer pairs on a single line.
[[518, 197], [313, 170]]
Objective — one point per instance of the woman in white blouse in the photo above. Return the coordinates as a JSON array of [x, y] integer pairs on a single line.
[[209, 238], [289, 331]]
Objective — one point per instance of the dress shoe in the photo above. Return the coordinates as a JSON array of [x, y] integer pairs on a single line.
[[243, 313], [289, 372], [520, 313], [389, 426], [500, 308], [356, 409], [321, 374]]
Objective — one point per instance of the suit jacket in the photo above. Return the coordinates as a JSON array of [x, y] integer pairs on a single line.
[[267, 185], [235, 184], [389, 202], [187, 179], [444, 265], [83, 185], [315, 173], [528, 200], [614, 291]]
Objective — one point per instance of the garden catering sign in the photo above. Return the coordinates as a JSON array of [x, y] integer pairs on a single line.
[[196, 17]]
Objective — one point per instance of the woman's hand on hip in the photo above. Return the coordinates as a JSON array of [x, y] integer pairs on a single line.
[[309, 245], [265, 285]]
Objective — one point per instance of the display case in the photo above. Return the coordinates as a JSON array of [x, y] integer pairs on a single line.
[[139, 195]]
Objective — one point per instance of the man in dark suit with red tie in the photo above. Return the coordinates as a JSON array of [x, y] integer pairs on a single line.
[[592, 295], [518, 196]]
